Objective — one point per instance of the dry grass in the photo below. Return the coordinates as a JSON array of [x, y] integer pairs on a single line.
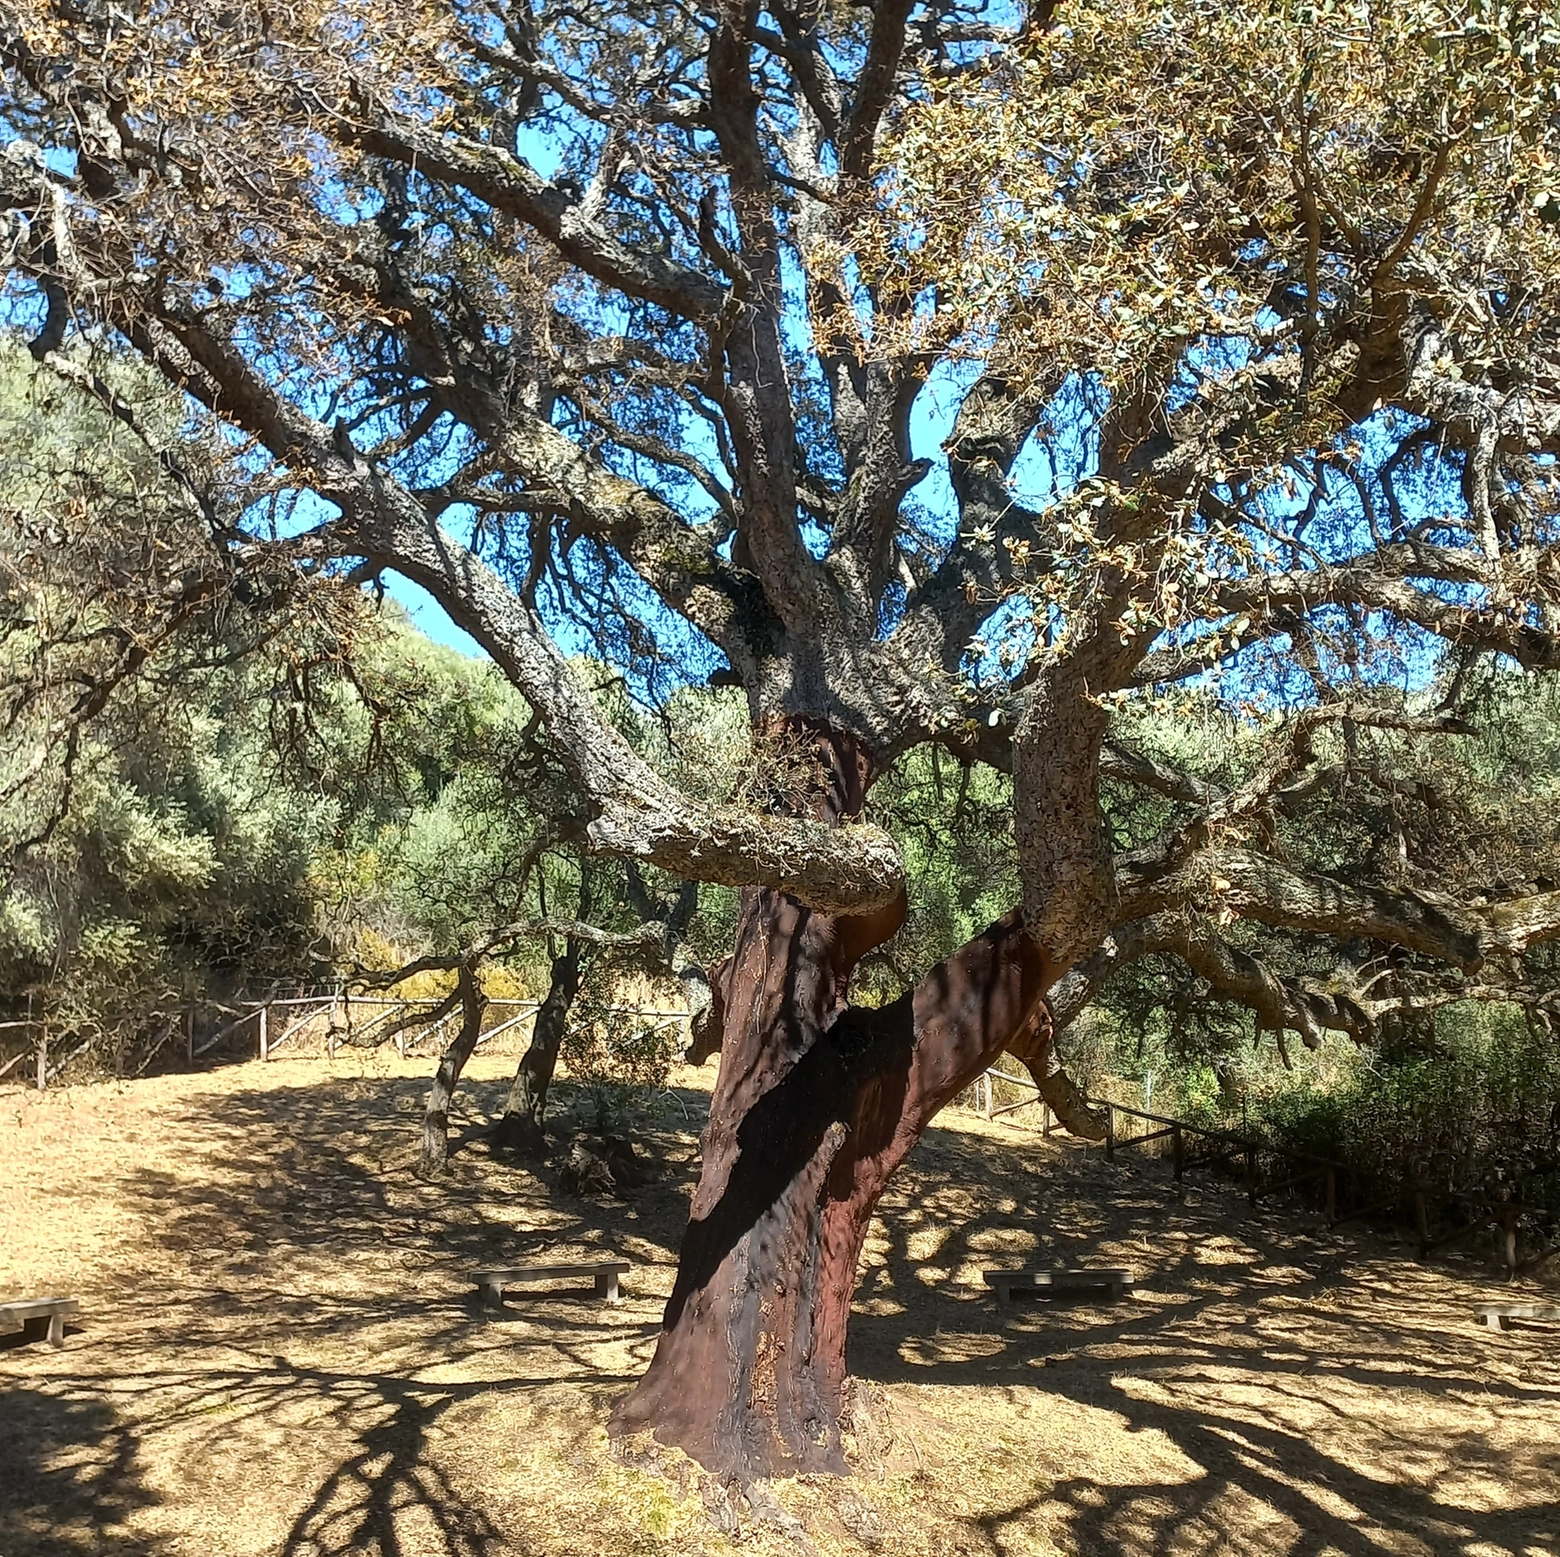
[[278, 1353]]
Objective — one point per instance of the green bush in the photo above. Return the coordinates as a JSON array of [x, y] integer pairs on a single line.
[[616, 1056], [1473, 1108]]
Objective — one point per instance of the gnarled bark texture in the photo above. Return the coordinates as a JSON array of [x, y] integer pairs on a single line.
[[815, 1107]]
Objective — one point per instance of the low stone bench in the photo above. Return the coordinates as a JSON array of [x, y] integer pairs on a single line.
[[1498, 1316], [1006, 1282], [14, 1316], [492, 1282]]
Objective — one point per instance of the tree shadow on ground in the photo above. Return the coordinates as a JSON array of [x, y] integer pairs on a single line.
[[298, 1233], [299, 1348], [361, 1505], [1211, 1357], [332, 1168], [70, 1480]]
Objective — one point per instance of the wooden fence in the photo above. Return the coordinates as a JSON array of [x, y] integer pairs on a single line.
[[1342, 1193], [277, 1020], [985, 1101]]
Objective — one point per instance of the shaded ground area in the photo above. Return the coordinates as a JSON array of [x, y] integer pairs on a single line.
[[278, 1353]]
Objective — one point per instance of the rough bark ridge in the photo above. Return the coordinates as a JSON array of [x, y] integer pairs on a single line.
[[815, 1107]]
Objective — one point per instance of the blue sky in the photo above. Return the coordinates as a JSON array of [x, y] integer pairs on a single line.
[[430, 617]]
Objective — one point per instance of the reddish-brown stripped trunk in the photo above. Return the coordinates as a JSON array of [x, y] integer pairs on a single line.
[[816, 1105]]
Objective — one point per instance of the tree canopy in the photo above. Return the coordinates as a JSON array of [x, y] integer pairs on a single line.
[[613, 318]]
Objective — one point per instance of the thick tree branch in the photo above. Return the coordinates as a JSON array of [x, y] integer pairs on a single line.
[[1382, 580], [1035, 1046], [990, 431], [756, 396], [1119, 762], [503, 181], [1239, 883], [1279, 1004], [638, 814], [874, 86]]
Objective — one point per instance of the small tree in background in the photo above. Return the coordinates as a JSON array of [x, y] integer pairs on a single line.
[[151, 850]]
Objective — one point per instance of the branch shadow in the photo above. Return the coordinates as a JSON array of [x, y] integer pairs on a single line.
[[1278, 1379], [362, 1503], [297, 1234], [300, 1285], [71, 1479]]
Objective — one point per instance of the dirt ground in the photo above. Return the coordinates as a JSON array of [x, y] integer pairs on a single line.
[[278, 1352]]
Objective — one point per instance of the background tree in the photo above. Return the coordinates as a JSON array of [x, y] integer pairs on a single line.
[[620, 323], [146, 855], [1437, 1078], [210, 790], [471, 863]]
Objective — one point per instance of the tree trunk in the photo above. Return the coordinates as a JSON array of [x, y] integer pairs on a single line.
[[1035, 1045], [707, 1021], [815, 1107], [1064, 851], [520, 1128], [436, 1117]]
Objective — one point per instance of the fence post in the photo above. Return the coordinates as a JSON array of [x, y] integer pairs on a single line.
[[1178, 1151], [265, 1041], [1422, 1222], [1045, 1118], [1110, 1131], [1251, 1176], [1508, 1226], [986, 1093], [43, 1055], [189, 1035]]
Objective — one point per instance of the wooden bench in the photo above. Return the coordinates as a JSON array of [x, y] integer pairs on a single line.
[[493, 1281], [14, 1316], [1498, 1316], [1006, 1282]]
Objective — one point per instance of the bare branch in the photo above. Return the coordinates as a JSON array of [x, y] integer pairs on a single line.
[[506, 183]]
